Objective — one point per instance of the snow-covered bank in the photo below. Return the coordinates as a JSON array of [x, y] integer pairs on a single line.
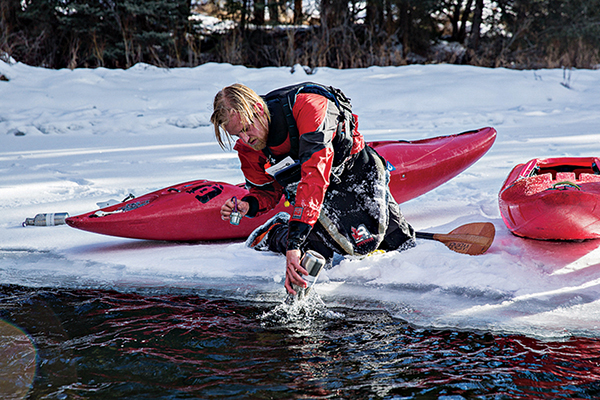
[[69, 139]]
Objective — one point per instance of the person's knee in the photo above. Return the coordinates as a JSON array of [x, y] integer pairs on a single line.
[[396, 238]]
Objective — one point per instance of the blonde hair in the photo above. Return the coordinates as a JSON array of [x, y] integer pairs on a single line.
[[239, 99]]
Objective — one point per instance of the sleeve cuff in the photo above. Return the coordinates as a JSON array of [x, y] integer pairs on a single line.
[[253, 202], [297, 234]]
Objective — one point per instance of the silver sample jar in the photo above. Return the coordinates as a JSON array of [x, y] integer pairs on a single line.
[[312, 262], [235, 218]]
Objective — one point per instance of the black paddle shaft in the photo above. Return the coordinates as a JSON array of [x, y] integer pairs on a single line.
[[424, 235]]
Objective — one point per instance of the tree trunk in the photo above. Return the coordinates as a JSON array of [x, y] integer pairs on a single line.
[[273, 12], [297, 12], [8, 16], [334, 13], [259, 12], [244, 17], [455, 19], [404, 27], [389, 17], [462, 33], [374, 17], [476, 29]]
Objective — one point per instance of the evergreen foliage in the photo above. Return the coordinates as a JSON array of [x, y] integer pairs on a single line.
[[114, 33]]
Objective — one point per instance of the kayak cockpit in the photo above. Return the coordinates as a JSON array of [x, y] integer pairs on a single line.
[[560, 168]]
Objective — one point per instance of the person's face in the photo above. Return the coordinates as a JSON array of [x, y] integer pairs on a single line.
[[253, 134]]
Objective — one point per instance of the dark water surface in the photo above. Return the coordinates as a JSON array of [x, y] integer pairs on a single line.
[[101, 344]]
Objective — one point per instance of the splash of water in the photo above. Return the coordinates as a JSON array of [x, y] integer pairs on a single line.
[[299, 313]]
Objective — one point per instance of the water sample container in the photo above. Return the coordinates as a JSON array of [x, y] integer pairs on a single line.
[[48, 219], [235, 217], [312, 262]]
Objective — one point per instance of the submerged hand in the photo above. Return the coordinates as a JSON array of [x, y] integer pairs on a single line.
[[293, 271]]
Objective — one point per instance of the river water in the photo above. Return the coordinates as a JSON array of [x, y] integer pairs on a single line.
[[166, 344]]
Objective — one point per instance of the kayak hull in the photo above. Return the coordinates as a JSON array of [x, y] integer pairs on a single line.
[[190, 211], [553, 199], [422, 165]]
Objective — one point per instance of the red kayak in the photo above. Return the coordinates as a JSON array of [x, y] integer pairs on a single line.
[[553, 199], [191, 211]]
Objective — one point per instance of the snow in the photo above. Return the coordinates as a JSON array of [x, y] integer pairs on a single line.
[[70, 139]]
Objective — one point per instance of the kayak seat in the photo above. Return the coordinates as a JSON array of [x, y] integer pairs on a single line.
[[589, 178], [565, 176], [583, 171]]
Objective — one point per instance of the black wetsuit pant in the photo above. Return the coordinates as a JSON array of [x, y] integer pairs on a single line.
[[359, 214]]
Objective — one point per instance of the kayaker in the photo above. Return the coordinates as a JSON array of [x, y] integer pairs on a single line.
[[302, 141]]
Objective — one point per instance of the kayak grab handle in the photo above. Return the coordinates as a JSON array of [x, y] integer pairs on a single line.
[[563, 185]]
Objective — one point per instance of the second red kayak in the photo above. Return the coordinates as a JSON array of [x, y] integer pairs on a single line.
[[553, 199], [191, 211]]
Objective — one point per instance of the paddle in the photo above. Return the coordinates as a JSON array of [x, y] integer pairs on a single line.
[[472, 239]]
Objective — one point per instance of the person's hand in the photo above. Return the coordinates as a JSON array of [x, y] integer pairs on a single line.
[[293, 271], [242, 206]]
